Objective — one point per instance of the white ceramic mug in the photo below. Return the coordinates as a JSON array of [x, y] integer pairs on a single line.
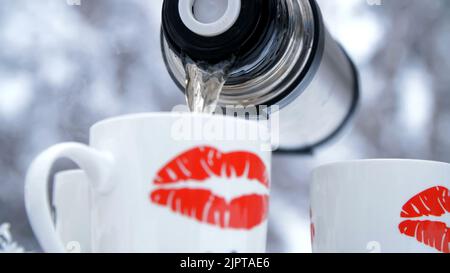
[[71, 194], [381, 206], [165, 182]]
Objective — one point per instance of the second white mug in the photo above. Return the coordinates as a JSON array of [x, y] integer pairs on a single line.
[[381, 206], [71, 200]]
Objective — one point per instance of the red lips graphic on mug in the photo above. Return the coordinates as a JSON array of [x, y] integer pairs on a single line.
[[181, 187], [434, 202]]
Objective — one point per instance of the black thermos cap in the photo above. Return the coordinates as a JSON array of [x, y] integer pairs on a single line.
[[244, 38]]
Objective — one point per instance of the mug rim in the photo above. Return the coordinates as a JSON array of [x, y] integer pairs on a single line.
[[378, 160], [151, 115]]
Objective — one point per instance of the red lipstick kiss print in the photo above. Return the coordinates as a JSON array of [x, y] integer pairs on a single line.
[[312, 227], [182, 187], [434, 202]]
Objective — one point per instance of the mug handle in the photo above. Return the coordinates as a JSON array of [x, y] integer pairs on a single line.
[[98, 168]]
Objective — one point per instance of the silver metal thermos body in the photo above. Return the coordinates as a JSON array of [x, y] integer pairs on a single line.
[[283, 55]]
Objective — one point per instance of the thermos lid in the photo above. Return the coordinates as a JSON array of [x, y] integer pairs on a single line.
[[209, 18], [230, 28]]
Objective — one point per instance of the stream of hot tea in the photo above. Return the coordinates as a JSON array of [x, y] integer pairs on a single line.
[[204, 85]]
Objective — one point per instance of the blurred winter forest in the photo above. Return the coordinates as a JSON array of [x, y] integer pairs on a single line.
[[63, 67]]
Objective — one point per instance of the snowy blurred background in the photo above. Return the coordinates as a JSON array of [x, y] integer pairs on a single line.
[[63, 67]]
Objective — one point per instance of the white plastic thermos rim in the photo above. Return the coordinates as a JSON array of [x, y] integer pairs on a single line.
[[216, 28]]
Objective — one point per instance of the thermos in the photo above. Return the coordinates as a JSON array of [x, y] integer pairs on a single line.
[[283, 55]]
